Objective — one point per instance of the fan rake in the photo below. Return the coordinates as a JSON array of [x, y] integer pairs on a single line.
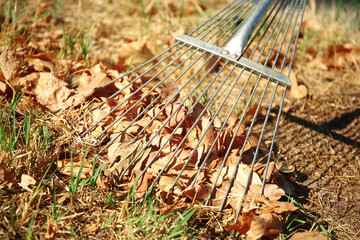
[[198, 113]]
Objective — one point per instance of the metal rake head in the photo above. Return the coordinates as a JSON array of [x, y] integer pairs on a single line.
[[184, 121]]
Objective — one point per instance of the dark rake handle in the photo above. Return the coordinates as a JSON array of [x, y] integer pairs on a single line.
[[239, 39]]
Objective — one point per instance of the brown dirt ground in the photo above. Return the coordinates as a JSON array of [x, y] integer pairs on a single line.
[[320, 134]]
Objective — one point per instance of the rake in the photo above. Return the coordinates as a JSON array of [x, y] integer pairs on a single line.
[[204, 106]]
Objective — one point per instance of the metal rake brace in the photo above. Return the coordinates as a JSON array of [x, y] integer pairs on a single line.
[[226, 66]]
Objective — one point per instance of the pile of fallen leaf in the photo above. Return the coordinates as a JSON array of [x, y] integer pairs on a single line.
[[136, 127]]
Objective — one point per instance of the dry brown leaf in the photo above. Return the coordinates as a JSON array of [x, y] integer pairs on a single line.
[[297, 91], [126, 152], [308, 236], [284, 167], [165, 210], [316, 63], [77, 98], [27, 82], [252, 110], [339, 55], [123, 150], [51, 91], [264, 225], [93, 79], [210, 135], [178, 111], [41, 62], [8, 63], [233, 119], [50, 230], [142, 184], [168, 91], [199, 192], [102, 182], [256, 225], [243, 173], [7, 177], [271, 191], [243, 223], [64, 167], [91, 228], [168, 179], [274, 206], [26, 181], [134, 52], [3, 89]]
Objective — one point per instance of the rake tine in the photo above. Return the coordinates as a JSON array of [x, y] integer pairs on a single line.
[[119, 91], [255, 36], [297, 36], [228, 8], [193, 152], [261, 136], [140, 114], [231, 144], [255, 155], [222, 127], [282, 103], [191, 128], [167, 120], [251, 126], [204, 134], [154, 102], [179, 124]]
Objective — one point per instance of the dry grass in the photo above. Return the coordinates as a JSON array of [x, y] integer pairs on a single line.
[[59, 206]]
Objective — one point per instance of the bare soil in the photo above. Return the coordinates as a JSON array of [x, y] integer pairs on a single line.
[[320, 135]]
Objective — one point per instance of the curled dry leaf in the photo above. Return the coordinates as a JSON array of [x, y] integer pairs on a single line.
[[339, 55], [64, 167], [50, 231], [51, 91], [123, 150], [265, 224], [256, 226], [297, 91], [271, 191], [3, 89], [27, 82], [8, 63], [126, 151], [93, 79], [244, 222], [91, 228], [7, 177], [262, 221], [169, 91], [41, 62], [284, 167], [26, 181], [274, 206], [54, 94]]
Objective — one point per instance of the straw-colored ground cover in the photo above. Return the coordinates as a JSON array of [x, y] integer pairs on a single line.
[[45, 193]]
